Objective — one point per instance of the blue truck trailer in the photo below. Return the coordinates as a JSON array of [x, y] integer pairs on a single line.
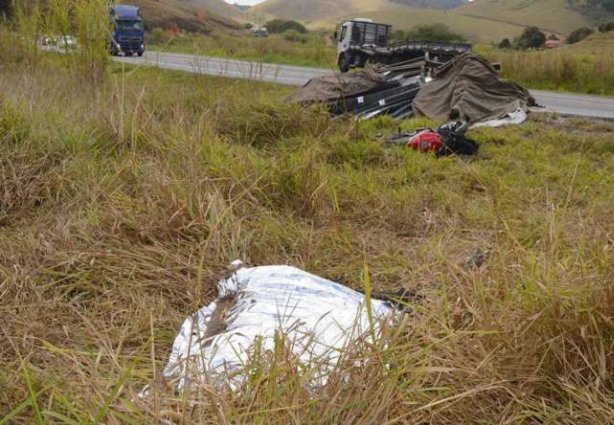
[[128, 36]]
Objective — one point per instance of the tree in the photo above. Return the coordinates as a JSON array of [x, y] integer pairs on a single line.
[[553, 37], [606, 27], [278, 26], [579, 35], [531, 38], [433, 32], [505, 44]]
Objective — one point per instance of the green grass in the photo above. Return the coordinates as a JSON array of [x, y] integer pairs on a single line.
[[123, 200], [315, 51], [585, 67]]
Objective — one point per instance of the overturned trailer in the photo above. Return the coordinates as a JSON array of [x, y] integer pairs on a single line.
[[466, 87]]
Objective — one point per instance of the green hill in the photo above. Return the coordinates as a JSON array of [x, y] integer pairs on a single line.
[[556, 16], [432, 4], [318, 10], [480, 20], [218, 7], [195, 16]]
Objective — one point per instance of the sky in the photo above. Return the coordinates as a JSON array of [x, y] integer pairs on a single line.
[[245, 2]]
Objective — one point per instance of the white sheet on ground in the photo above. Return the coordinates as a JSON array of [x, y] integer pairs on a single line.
[[514, 118], [318, 316]]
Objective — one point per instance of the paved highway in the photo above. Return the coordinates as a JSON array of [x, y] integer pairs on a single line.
[[561, 103]]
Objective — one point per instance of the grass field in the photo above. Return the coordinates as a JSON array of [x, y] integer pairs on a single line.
[[554, 16], [123, 200], [585, 67], [314, 51]]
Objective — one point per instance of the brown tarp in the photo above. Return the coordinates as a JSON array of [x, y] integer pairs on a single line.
[[469, 86], [333, 87]]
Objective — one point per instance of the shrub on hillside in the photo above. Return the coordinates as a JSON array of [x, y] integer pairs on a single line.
[[579, 35], [606, 27], [505, 44], [159, 36], [433, 32], [295, 36], [531, 38], [279, 26]]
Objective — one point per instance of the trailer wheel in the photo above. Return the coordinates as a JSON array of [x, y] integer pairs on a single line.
[[344, 64]]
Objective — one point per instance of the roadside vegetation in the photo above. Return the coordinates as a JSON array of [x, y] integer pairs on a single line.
[[290, 47], [125, 196], [434, 32], [583, 67]]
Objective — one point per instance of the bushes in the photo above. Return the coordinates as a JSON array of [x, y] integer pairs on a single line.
[[66, 18], [279, 26], [434, 32], [531, 38], [505, 44], [295, 36], [579, 35], [606, 27], [159, 36]]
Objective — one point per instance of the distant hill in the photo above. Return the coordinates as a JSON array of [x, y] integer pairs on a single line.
[[432, 4], [316, 10], [189, 15], [218, 7], [479, 20], [557, 16]]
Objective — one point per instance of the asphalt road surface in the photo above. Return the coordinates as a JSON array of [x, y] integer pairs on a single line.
[[562, 103]]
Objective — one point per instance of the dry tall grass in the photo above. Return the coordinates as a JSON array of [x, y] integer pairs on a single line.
[[122, 201], [580, 68]]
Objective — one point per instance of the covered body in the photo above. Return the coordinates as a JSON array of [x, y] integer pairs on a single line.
[[318, 318]]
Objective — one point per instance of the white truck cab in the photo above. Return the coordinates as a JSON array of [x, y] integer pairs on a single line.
[[361, 41], [358, 32]]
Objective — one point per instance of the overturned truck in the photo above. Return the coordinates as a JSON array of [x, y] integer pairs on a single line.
[[467, 87], [362, 41]]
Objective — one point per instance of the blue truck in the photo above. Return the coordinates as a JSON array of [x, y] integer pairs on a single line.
[[128, 36]]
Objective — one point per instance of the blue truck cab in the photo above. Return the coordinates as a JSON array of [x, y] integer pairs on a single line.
[[128, 36]]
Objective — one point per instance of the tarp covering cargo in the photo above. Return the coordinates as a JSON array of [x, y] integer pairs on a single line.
[[335, 86], [380, 89], [469, 87], [319, 318]]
